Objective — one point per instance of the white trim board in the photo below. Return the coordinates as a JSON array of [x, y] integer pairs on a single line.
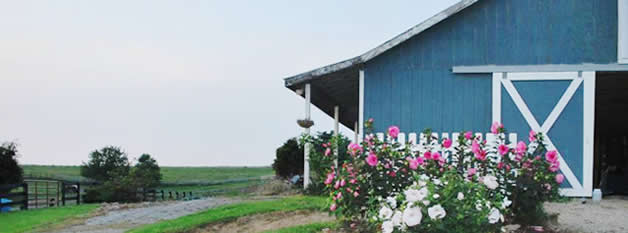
[[622, 31], [577, 78], [539, 68], [361, 106]]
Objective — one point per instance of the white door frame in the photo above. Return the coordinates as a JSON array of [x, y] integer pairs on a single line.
[[505, 79]]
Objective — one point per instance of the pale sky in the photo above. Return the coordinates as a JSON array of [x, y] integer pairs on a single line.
[[193, 83]]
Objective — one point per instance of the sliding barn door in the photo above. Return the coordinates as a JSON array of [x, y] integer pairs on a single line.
[[561, 106]]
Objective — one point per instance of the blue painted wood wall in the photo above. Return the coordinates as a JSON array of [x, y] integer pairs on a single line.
[[412, 85]]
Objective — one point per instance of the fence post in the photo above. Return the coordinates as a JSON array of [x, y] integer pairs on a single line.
[[78, 193], [177, 193], [25, 201], [162, 195], [63, 193], [190, 193]]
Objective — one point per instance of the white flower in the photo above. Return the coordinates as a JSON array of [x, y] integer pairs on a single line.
[[412, 216], [436, 212], [506, 203], [387, 227], [423, 192], [426, 202], [424, 177], [397, 218], [422, 183], [392, 202], [490, 182], [478, 206], [412, 195], [437, 182], [385, 212], [494, 216], [460, 196], [436, 196]]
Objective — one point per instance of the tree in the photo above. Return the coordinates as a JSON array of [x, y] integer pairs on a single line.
[[146, 172], [106, 164], [289, 160], [10, 171]]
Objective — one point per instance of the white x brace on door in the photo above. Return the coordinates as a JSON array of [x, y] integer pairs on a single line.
[[584, 115]]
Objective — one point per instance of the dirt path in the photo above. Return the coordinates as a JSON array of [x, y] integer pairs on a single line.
[[119, 218], [610, 216], [267, 221]]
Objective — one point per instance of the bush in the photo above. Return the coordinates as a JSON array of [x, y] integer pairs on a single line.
[[106, 164], [10, 171], [322, 158], [146, 172], [289, 160], [440, 186]]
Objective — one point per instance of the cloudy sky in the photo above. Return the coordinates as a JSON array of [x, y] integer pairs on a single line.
[[193, 83]]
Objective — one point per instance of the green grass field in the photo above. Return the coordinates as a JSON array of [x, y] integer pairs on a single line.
[[171, 175], [34, 220], [230, 212]]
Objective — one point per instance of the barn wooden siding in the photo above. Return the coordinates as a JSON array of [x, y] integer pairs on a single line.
[[412, 85]]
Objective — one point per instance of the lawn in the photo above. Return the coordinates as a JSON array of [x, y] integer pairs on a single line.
[[171, 175], [32, 220], [309, 228], [230, 212]]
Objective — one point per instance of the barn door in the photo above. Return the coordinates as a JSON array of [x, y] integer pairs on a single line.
[[561, 106]]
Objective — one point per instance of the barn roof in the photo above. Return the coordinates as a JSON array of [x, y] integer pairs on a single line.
[[337, 84]]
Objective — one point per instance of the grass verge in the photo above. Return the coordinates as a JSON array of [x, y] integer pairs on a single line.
[[34, 220], [230, 212], [309, 228]]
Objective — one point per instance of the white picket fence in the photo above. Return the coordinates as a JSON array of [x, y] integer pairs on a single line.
[[402, 138]]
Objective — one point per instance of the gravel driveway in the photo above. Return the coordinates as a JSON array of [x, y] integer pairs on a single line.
[[609, 216], [119, 218]]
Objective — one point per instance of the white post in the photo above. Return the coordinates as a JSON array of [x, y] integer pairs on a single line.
[[336, 133], [360, 108], [356, 132], [306, 148]]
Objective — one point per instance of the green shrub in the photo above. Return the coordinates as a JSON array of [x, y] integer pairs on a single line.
[[10, 171], [106, 164], [289, 160]]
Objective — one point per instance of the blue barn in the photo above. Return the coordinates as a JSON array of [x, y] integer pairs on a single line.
[[559, 67]]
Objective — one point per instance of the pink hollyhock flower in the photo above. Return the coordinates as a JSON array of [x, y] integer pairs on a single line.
[[330, 178], [475, 147], [521, 148], [518, 157], [551, 156], [471, 171], [371, 160], [354, 148], [500, 165], [392, 173], [481, 155], [414, 164], [555, 166], [427, 155], [507, 167], [333, 207], [337, 185], [353, 181], [532, 136], [393, 131], [342, 183], [387, 165], [468, 135], [496, 127], [371, 120], [339, 196], [356, 194], [447, 143], [560, 178], [537, 157], [503, 149], [436, 156], [327, 152]]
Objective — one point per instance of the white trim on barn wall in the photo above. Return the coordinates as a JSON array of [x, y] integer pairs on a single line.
[[622, 31], [577, 78]]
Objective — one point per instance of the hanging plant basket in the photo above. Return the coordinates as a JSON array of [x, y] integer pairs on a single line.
[[305, 123]]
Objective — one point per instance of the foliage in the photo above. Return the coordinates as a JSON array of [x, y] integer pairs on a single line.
[[146, 172], [464, 185], [322, 157], [233, 211], [289, 160], [10, 171], [41, 219], [106, 164]]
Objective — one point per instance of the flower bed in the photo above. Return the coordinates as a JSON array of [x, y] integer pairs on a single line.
[[468, 186]]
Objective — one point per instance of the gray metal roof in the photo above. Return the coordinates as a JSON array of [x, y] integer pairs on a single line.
[[337, 84]]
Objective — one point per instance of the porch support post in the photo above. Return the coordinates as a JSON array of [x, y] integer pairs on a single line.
[[306, 148], [360, 128], [336, 133], [355, 130]]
